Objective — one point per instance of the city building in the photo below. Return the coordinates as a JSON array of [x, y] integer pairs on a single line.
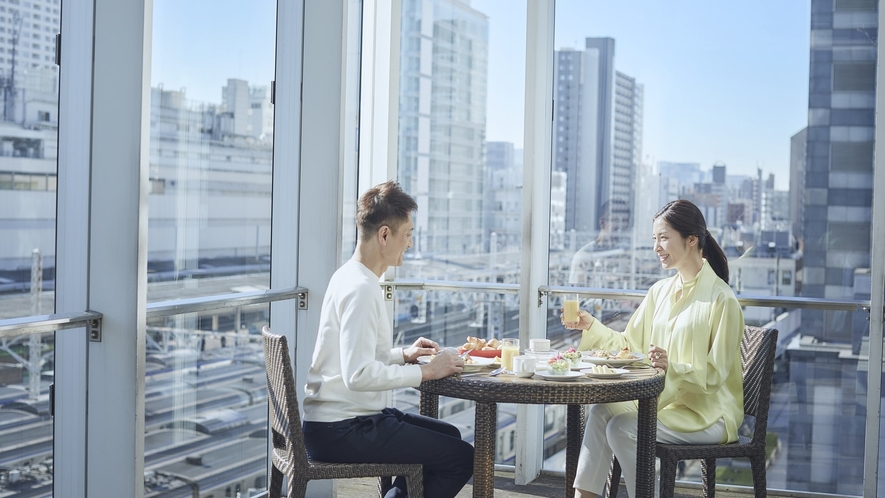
[[442, 123], [597, 135], [838, 157], [797, 184], [209, 158], [503, 195]]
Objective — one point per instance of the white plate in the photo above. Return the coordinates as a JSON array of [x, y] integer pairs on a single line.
[[560, 378], [613, 362], [616, 372], [478, 363]]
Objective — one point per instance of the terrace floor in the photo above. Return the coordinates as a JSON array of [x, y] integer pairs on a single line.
[[545, 485]]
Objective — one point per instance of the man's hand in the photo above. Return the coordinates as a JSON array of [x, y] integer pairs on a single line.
[[421, 347], [443, 365]]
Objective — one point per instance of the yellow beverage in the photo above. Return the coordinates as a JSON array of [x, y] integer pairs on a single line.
[[507, 354], [570, 310]]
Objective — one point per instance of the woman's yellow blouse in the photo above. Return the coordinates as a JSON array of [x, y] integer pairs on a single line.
[[701, 332]]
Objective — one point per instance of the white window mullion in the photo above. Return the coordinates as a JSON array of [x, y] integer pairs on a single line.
[[877, 300], [286, 172], [535, 218], [287, 165], [320, 184], [118, 246], [72, 248], [379, 92]]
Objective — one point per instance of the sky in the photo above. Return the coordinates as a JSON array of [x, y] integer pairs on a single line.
[[724, 81], [199, 44]]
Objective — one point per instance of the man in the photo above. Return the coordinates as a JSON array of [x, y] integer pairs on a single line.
[[354, 366]]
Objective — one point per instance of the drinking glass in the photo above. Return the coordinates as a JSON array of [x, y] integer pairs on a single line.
[[570, 307], [509, 349]]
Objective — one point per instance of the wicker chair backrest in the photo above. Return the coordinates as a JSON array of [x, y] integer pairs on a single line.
[[285, 418], [757, 358]]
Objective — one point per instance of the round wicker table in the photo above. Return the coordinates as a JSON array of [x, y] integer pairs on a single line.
[[643, 385]]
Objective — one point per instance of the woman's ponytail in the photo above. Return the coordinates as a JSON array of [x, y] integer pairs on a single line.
[[715, 256]]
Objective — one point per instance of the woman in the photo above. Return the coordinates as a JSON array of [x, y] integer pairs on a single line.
[[691, 324]]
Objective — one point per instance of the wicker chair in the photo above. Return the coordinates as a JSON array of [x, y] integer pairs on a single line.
[[289, 453], [757, 359]]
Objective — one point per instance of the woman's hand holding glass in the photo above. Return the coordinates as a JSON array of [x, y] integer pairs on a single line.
[[585, 320]]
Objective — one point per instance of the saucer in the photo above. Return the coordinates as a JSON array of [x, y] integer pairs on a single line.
[[560, 378]]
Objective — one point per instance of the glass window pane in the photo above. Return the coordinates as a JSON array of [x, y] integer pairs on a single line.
[[462, 81], [26, 436], [28, 155], [211, 145], [206, 403], [461, 115], [449, 318], [643, 116], [350, 171], [211, 148]]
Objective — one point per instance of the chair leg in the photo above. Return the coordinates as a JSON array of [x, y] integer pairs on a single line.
[[668, 476], [384, 485], [708, 469], [297, 488], [614, 478], [275, 490], [415, 484], [757, 464]]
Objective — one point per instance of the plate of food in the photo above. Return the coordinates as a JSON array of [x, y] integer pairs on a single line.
[[612, 358], [604, 372], [481, 348], [471, 364], [563, 377]]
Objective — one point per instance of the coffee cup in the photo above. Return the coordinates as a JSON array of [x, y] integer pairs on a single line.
[[524, 366], [540, 344]]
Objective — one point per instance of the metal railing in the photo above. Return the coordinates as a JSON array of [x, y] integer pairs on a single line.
[[50, 323], [744, 299], [40, 324], [631, 295], [454, 286], [197, 304]]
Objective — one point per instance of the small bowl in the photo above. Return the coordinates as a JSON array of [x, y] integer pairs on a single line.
[[542, 355]]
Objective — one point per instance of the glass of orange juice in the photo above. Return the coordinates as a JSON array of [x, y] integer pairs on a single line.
[[509, 349], [570, 308]]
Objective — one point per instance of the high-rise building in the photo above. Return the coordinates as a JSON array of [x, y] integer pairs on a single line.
[[597, 137], [27, 60], [685, 174], [627, 137], [797, 184], [839, 155], [442, 122], [503, 195], [29, 36], [775, 210], [246, 110]]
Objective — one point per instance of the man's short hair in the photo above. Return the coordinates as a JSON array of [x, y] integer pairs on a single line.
[[384, 204]]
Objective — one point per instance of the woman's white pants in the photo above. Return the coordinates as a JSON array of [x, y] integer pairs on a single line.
[[612, 428]]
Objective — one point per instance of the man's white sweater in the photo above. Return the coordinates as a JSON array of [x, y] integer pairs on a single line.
[[354, 361]]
